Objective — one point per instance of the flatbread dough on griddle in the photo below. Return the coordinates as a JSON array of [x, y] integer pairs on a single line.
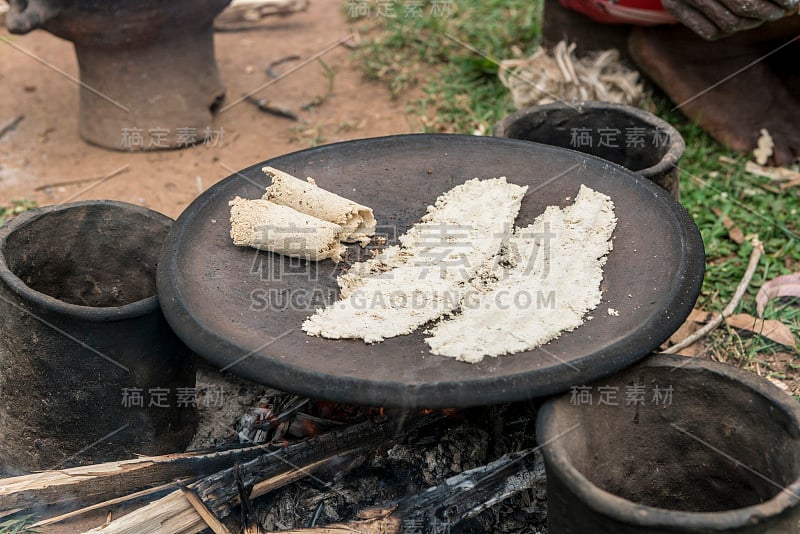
[[405, 287], [357, 221], [267, 226], [553, 283]]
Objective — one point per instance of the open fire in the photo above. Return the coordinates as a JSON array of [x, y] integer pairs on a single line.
[[302, 465], [413, 484]]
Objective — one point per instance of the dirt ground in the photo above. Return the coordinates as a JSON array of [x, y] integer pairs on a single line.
[[45, 147]]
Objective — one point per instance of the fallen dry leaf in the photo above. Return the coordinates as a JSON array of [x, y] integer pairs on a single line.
[[778, 383], [787, 285], [764, 149], [685, 330], [770, 328], [734, 232], [697, 318], [700, 316], [776, 174], [785, 178], [698, 348], [793, 183]]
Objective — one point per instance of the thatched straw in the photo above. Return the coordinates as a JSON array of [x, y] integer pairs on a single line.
[[546, 77]]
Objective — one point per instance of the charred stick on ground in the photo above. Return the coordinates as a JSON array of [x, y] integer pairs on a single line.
[[270, 471], [220, 490], [459, 498], [93, 483]]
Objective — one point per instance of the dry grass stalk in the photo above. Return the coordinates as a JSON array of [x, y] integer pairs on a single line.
[[546, 77]]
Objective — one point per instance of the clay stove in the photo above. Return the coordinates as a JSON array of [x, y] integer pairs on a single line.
[[149, 79]]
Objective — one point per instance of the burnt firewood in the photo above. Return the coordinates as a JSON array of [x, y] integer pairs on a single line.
[[441, 507], [213, 522], [89, 484], [220, 491], [249, 520]]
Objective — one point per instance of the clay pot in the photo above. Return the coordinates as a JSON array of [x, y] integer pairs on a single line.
[[718, 452], [82, 338], [625, 135], [149, 79]]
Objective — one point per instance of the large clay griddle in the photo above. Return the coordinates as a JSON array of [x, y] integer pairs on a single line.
[[205, 283]]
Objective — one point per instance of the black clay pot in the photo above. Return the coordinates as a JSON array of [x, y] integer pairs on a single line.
[[692, 446], [89, 369], [625, 135]]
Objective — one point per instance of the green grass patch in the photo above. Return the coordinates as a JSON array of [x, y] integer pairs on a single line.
[[757, 207], [15, 208], [17, 526], [462, 92]]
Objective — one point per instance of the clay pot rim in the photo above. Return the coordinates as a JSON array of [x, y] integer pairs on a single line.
[[639, 515], [51, 304], [677, 145]]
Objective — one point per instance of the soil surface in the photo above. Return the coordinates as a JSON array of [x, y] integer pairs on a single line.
[[45, 147]]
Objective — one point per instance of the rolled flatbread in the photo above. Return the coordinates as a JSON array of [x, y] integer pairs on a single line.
[[357, 221], [267, 226]]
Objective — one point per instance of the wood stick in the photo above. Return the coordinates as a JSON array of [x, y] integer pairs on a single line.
[[95, 184], [755, 256], [174, 514], [261, 488], [331, 47], [265, 105], [183, 517], [104, 504], [249, 521], [220, 489], [281, 60], [284, 479], [205, 514], [10, 125], [98, 482], [81, 181], [10, 511], [441, 507]]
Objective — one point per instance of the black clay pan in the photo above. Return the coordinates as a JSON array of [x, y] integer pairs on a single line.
[[242, 309]]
